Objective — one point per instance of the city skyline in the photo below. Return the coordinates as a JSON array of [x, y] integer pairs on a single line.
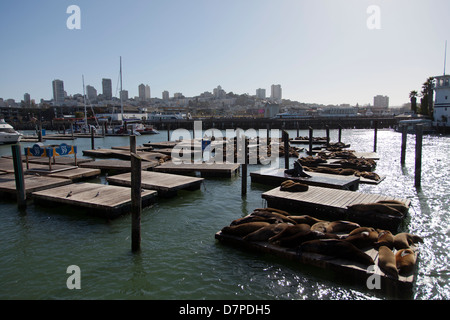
[[323, 52]]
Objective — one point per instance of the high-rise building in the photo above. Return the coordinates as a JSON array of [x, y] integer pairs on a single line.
[[147, 92], [141, 89], [27, 99], [107, 89], [261, 93], [380, 101], [276, 93], [219, 93], [91, 93], [58, 91], [124, 95], [165, 95]]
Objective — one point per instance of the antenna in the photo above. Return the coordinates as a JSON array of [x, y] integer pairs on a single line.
[[445, 56]]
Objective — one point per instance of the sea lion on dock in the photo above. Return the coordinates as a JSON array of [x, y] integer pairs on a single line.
[[243, 229], [341, 226], [251, 218], [362, 237], [297, 171], [291, 230], [264, 233], [386, 261], [385, 238], [405, 260], [404, 240], [284, 213], [292, 186], [336, 248], [305, 219], [400, 206], [271, 214], [375, 208], [320, 226]]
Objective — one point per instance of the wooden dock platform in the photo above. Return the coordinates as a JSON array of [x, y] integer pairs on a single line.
[[32, 183], [332, 204], [277, 176], [161, 145], [76, 174], [350, 271], [117, 165], [165, 183], [99, 199], [205, 169]]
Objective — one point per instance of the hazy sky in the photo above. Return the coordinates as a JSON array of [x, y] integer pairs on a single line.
[[320, 51]]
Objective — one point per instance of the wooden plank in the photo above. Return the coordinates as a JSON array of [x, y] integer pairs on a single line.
[[119, 165], [225, 169], [276, 176], [76, 174], [164, 183], [102, 200], [32, 183]]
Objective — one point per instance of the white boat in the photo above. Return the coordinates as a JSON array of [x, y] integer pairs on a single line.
[[8, 134]]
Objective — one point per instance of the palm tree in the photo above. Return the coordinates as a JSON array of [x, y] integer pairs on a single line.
[[413, 97], [427, 97]]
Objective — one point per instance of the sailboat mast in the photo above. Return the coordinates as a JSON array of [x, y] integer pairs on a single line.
[[84, 100], [445, 56], [121, 102]]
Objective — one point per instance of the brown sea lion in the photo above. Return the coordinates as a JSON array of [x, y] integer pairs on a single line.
[[305, 219], [375, 208], [264, 233], [336, 248], [361, 229], [243, 229], [386, 261], [291, 230], [320, 226], [341, 226], [405, 260], [400, 206], [284, 213], [385, 238], [292, 186], [365, 238], [404, 240], [298, 238], [255, 219], [269, 214]]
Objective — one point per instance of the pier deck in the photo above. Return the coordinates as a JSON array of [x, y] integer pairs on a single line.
[[277, 176], [165, 183], [118, 165], [102, 200], [205, 169], [76, 174], [32, 183], [326, 203]]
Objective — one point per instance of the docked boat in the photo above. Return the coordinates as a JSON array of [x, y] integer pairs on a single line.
[[8, 134], [145, 129]]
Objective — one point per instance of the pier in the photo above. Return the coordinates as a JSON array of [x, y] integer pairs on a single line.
[[205, 169]]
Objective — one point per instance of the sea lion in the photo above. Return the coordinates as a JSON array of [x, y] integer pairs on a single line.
[[292, 186], [405, 260], [297, 171], [305, 219], [385, 238], [400, 206], [404, 240], [243, 229], [291, 230], [361, 229], [336, 248], [365, 238], [284, 213], [269, 214], [299, 238], [264, 233], [386, 261], [255, 219], [375, 208], [341, 226], [320, 226]]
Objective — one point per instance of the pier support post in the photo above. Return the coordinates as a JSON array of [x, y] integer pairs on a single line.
[[298, 129], [375, 137], [404, 138], [286, 149], [340, 133], [310, 139], [168, 132], [136, 202], [244, 169], [328, 136], [18, 174], [418, 171], [92, 139]]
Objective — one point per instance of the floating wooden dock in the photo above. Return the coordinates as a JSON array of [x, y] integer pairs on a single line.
[[350, 271], [32, 183], [332, 204], [117, 165], [205, 169], [76, 174], [277, 176], [165, 183], [101, 200], [161, 145]]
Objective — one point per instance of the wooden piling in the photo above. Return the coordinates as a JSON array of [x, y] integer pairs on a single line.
[[136, 202], [340, 133], [286, 149], [298, 129], [244, 170], [310, 139], [375, 137], [404, 138], [418, 171], [18, 174], [133, 144], [328, 136], [168, 132], [92, 139]]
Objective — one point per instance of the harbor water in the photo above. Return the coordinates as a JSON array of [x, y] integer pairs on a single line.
[[180, 258]]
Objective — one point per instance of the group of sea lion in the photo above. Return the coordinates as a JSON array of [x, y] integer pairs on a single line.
[[383, 207], [339, 239], [344, 172]]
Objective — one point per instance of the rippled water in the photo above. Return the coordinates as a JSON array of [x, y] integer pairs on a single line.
[[180, 259]]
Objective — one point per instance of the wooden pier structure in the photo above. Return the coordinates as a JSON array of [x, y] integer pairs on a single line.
[[32, 183], [277, 176], [205, 169], [101, 200], [116, 165], [165, 183], [332, 204]]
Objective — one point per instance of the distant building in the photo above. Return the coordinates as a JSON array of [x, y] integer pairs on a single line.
[[107, 89], [219, 93], [261, 93], [58, 92], [91, 93], [124, 95], [27, 99], [141, 90], [165, 95], [147, 92], [178, 95], [441, 112], [380, 101], [271, 110], [276, 93]]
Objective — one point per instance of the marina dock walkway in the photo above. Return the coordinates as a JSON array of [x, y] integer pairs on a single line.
[[32, 183], [205, 169]]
